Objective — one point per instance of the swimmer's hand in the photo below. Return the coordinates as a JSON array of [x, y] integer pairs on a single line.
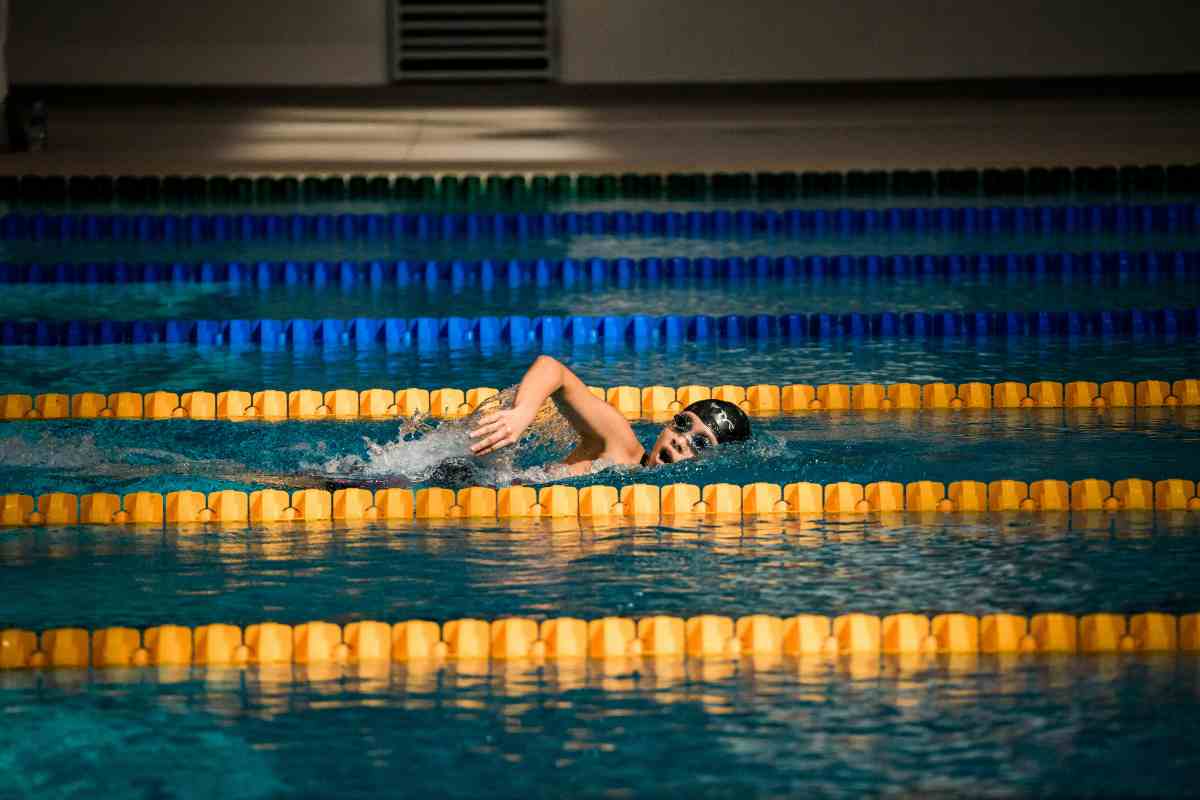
[[500, 429]]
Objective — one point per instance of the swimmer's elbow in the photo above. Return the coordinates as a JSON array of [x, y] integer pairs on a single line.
[[556, 371]]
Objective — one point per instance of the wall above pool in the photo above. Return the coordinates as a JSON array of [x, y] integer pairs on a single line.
[[611, 41]]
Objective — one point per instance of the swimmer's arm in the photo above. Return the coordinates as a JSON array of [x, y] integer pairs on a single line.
[[601, 427]]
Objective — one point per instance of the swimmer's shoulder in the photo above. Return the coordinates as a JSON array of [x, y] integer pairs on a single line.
[[604, 461], [628, 454]]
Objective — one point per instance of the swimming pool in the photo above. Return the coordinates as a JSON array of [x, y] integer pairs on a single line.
[[990, 597]]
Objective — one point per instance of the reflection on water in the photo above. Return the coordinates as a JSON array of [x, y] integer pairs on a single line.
[[833, 295], [977, 564], [180, 368], [846, 727]]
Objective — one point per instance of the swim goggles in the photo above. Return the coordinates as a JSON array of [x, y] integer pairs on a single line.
[[682, 423]]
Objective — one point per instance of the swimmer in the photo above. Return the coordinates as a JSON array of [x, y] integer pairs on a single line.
[[604, 433]]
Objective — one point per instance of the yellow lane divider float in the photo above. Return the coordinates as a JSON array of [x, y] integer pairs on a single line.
[[704, 636], [649, 402], [637, 502]]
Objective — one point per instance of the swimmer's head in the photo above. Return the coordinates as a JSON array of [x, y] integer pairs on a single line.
[[699, 427]]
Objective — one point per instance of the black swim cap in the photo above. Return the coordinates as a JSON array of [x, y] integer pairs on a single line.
[[727, 421]]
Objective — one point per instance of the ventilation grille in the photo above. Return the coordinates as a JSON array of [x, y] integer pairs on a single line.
[[481, 40]]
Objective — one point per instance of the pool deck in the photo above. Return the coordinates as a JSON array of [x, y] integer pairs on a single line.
[[534, 128]]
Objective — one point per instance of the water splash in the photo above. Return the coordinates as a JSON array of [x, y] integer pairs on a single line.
[[424, 451], [427, 453]]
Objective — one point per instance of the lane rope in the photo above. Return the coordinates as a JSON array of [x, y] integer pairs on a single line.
[[597, 272], [660, 636], [683, 503], [637, 332], [646, 402], [1042, 181], [966, 221]]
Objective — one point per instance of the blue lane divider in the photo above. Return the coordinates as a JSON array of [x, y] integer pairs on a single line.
[[635, 331], [188, 228], [597, 271]]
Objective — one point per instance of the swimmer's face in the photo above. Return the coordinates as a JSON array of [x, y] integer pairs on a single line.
[[680, 440]]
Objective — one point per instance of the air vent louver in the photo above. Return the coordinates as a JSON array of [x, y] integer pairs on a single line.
[[480, 40]]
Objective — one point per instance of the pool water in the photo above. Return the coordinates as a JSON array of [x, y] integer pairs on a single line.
[[1047, 727], [978, 725], [180, 368], [978, 564], [162, 456], [1014, 725]]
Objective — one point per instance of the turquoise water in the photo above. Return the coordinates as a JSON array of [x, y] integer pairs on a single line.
[[1014, 292], [1040, 727], [1123, 725], [144, 368], [975, 726], [117, 455], [972, 563]]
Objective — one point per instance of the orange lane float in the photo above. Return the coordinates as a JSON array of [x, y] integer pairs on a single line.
[[704, 636], [639, 501], [644, 402]]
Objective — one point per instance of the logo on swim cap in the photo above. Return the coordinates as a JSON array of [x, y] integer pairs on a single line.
[[727, 422]]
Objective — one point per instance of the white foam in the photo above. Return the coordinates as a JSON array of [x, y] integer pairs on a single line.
[[420, 447]]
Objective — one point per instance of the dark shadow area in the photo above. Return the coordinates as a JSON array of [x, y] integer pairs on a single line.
[[485, 95]]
